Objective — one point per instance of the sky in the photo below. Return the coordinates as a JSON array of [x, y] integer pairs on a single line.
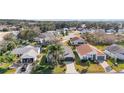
[[61, 9]]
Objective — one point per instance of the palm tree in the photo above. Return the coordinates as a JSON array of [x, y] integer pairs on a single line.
[[55, 53]]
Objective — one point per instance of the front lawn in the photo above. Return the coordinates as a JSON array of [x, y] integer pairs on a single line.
[[95, 68], [59, 69], [117, 68], [10, 71], [92, 68], [4, 68]]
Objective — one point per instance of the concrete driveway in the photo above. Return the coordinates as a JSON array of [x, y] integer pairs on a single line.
[[107, 68], [71, 69]]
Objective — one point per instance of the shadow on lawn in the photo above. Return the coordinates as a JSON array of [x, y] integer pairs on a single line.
[[3, 70], [120, 61]]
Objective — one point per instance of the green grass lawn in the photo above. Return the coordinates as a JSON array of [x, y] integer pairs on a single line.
[[3, 67], [59, 69], [95, 68], [101, 47], [11, 71], [116, 68], [92, 68]]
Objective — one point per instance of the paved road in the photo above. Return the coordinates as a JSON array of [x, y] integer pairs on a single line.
[[71, 69]]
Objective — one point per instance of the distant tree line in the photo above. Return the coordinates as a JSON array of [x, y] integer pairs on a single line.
[[53, 25]]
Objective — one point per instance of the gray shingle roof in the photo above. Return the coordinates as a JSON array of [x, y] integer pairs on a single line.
[[115, 49], [25, 49], [68, 52]]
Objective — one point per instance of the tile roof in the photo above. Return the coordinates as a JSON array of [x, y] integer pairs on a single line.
[[23, 50], [114, 48], [86, 48]]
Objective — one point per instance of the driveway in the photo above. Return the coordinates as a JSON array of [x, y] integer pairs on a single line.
[[106, 67], [71, 69]]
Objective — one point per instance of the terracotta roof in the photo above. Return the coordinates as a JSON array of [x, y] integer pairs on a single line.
[[84, 49]]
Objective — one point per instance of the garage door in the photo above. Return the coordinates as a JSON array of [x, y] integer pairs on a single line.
[[69, 59], [101, 58]]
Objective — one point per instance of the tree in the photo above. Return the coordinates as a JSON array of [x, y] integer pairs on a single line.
[[8, 37], [27, 35], [5, 29], [55, 54], [66, 33], [11, 45]]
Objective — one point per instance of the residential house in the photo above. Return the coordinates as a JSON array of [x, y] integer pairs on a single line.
[[68, 54], [65, 29], [121, 30], [86, 52], [72, 28], [76, 41], [110, 31], [85, 31], [41, 41], [27, 54], [115, 51], [100, 30]]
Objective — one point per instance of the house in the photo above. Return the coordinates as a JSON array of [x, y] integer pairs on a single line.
[[121, 30], [110, 31], [85, 31], [86, 52], [72, 28], [27, 54], [68, 54], [41, 41], [65, 29], [76, 41], [100, 30], [115, 51]]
